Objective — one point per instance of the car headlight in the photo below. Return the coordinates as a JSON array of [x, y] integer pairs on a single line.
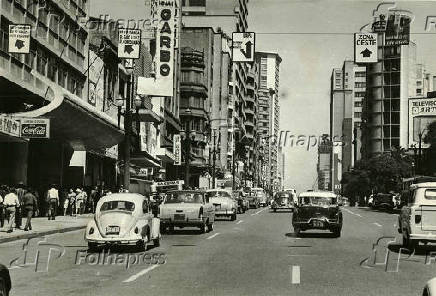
[[91, 230]]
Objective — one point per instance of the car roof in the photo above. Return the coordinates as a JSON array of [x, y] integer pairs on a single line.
[[318, 193], [218, 189], [424, 185], [186, 191], [135, 197]]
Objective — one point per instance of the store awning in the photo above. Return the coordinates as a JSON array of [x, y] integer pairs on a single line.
[[144, 160], [83, 128], [147, 115]]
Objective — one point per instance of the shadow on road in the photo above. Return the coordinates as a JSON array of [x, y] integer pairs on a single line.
[[178, 231], [421, 250], [282, 211], [311, 235], [386, 211]]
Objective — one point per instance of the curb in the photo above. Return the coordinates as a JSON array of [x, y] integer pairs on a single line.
[[38, 234]]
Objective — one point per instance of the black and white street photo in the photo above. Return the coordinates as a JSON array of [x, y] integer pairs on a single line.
[[217, 147]]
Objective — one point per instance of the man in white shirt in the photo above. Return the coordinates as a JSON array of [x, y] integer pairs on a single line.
[[10, 203], [53, 202]]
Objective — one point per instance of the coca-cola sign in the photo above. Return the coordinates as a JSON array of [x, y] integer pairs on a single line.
[[35, 128]]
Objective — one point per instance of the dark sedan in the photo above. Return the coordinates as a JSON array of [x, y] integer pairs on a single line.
[[317, 210], [5, 281]]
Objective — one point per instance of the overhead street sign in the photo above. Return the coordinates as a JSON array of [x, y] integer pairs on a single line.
[[365, 48], [19, 39], [129, 41], [243, 46]]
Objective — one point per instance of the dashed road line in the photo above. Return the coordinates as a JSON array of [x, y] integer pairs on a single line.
[[295, 274], [347, 210], [212, 236], [358, 215], [258, 212], [239, 222], [139, 274], [376, 224]]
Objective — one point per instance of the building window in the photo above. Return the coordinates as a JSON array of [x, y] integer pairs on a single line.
[[360, 84], [359, 94], [201, 3], [72, 84], [360, 74], [358, 104], [52, 69], [418, 91], [357, 114], [41, 61]]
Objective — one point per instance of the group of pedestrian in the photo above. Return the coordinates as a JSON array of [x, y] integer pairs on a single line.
[[16, 202]]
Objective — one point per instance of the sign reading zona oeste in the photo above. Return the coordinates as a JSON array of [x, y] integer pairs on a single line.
[[365, 48], [243, 46], [129, 41], [19, 39]]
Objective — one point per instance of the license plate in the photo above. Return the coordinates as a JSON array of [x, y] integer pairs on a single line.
[[318, 224], [179, 217], [112, 230]]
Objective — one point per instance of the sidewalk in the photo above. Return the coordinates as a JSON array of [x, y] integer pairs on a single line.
[[42, 226]]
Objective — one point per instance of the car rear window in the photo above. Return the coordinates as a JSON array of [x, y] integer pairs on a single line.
[[430, 194], [218, 194], [119, 205]]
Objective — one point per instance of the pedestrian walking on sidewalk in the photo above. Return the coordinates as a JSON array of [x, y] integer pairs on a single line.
[[53, 202], [11, 202], [80, 198], [72, 201], [30, 206], [2, 218], [18, 214]]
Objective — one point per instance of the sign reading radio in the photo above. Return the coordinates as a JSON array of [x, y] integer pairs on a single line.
[[35, 128], [177, 150]]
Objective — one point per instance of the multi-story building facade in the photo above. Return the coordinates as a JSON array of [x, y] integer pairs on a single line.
[[51, 82], [390, 83], [348, 88], [269, 109], [324, 164]]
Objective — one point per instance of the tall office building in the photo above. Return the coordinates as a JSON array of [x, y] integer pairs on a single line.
[[390, 82], [269, 109]]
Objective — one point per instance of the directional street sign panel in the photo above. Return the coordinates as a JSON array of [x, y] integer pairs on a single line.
[[243, 46], [365, 48], [19, 38], [129, 41]]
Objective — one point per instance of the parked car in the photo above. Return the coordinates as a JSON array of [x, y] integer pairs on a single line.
[[187, 208], [5, 281], [417, 220], [223, 202], [282, 201], [253, 200], [317, 210], [430, 288], [124, 219]]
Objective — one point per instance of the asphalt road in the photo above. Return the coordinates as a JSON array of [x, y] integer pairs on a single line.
[[256, 255]]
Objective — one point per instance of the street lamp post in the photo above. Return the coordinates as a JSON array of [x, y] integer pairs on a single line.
[[187, 146], [214, 159]]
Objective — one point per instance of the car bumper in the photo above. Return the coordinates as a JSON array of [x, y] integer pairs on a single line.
[[114, 241], [224, 212], [187, 222], [310, 224]]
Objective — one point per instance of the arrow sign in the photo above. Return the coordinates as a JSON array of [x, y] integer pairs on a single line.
[[19, 38], [247, 51], [128, 48], [365, 48], [243, 46], [129, 41], [366, 53], [19, 44]]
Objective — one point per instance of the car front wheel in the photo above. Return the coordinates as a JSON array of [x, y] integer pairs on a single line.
[[3, 288], [92, 247]]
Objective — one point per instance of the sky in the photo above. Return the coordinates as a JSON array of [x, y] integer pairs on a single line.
[[312, 37]]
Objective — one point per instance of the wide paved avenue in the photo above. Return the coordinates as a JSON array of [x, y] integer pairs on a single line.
[[258, 254]]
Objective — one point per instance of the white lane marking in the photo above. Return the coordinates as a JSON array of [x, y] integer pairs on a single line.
[[239, 222], [258, 212], [212, 236], [139, 274], [295, 274], [358, 215], [379, 225], [347, 210], [298, 238], [301, 255]]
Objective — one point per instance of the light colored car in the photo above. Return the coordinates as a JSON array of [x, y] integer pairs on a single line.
[[124, 219], [225, 205], [187, 208], [430, 288], [261, 196], [417, 220], [282, 200]]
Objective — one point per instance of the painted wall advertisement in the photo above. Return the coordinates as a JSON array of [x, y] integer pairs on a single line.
[[397, 30], [9, 126], [421, 113]]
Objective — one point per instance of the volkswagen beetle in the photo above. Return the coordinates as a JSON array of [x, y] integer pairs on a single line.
[[124, 219]]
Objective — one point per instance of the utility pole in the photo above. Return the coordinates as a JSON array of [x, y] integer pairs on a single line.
[[214, 159], [234, 162], [187, 151], [127, 129]]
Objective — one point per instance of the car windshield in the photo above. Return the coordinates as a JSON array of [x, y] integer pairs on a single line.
[[119, 205], [283, 195], [218, 194], [184, 197], [318, 200]]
